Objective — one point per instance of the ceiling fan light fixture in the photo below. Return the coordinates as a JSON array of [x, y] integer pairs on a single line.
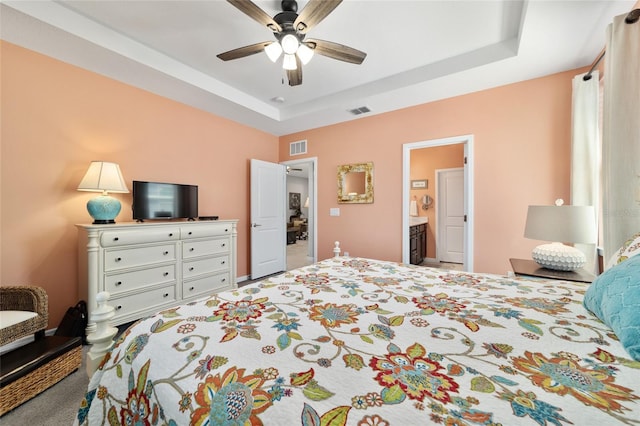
[[290, 44], [273, 51], [289, 62], [304, 53]]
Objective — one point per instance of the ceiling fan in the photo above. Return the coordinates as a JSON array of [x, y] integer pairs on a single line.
[[290, 29]]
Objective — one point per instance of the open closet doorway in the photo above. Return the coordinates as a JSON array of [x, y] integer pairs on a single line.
[[301, 190], [425, 183]]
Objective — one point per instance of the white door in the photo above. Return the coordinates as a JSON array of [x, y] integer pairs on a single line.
[[450, 198], [268, 232]]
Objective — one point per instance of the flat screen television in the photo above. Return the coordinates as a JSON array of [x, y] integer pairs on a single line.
[[156, 200]]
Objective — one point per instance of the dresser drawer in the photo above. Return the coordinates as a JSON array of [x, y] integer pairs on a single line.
[[205, 248], [127, 258], [209, 230], [193, 268], [128, 281], [128, 237], [143, 302], [206, 285]]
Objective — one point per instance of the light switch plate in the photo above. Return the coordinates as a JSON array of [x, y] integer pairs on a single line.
[[334, 211]]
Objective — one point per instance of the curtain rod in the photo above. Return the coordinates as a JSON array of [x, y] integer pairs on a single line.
[[631, 18]]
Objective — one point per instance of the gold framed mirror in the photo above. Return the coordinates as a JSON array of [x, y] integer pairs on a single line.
[[355, 183]]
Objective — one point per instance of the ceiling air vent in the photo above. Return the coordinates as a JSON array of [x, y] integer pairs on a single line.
[[298, 147], [360, 110]]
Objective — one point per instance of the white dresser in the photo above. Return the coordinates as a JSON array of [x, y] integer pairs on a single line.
[[147, 267]]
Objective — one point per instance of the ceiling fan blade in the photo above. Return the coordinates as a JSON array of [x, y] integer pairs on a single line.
[[241, 52], [314, 12], [336, 51], [250, 9], [295, 76]]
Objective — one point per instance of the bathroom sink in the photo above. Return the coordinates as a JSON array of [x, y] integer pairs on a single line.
[[417, 220]]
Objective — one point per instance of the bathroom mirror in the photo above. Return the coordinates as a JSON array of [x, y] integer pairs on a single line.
[[355, 183]]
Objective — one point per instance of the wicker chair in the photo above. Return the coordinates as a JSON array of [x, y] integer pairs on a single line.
[[24, 298]]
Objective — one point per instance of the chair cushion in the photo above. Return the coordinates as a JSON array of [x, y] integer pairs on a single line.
[[10, 318], [614, 297]]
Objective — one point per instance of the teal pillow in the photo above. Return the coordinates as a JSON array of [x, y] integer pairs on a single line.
[[614, 297]]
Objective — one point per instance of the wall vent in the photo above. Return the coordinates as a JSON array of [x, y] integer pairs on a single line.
[[360, 110], [298, 147]]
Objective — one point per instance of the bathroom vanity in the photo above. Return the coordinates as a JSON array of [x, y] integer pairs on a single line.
[[417, 239]]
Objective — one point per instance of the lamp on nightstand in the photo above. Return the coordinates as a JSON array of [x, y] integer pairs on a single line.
[[560, 224], [103, 177]]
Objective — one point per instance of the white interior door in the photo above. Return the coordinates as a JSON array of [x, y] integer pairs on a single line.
[[268, 232], [450, 220]]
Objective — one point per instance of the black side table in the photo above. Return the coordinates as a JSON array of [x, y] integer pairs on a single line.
[[531, 268]]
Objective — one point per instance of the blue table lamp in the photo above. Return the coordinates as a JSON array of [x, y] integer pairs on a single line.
[[103, 177]]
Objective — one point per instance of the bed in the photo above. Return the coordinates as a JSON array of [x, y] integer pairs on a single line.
[[354, 341]]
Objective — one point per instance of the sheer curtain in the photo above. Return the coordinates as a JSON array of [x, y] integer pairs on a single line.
[[585, 152], [621, 135]]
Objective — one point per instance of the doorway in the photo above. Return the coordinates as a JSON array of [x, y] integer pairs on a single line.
[[466, 141], [302, 241]]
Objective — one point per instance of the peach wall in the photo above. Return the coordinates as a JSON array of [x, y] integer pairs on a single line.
[[423, 165], [56, 118], [521, 157]]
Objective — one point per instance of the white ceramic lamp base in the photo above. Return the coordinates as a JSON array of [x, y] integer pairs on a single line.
[[559, 257]]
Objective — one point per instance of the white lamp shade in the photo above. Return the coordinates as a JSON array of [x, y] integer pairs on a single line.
[[566, 224], [273, 51], [304, 53], [103, 176], [289, 44], [289, 62]]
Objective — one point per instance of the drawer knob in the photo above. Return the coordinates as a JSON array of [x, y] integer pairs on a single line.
[[190, 233], [171, 234], [191, 288], [166, 295], [116, 239], [166, 274], [223, 280], [226, 229], [119, 283], [165, 253], [191, 249], [118, 259], [223, 262], [118, 307], [191, 269], [224, 244]]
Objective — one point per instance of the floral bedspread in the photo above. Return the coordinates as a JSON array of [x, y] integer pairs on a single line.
[[352, 341]]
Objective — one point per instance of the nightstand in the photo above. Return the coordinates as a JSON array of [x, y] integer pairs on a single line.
[[531, 268]]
